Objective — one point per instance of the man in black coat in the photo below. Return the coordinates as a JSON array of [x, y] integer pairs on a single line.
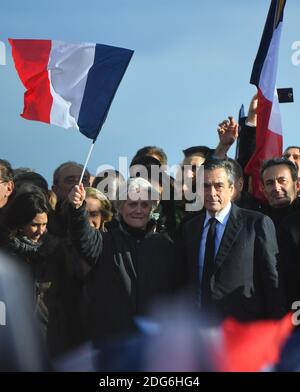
[[289, 239], [241, 279]]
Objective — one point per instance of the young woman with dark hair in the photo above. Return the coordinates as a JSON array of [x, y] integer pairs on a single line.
[[56, 288]]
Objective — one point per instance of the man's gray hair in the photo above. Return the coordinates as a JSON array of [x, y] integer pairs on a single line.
[[213, 164], [59, 169]]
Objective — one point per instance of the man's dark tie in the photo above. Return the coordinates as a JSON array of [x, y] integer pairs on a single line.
[[208, 265]]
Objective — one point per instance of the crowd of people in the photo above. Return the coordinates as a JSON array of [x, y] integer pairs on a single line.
[[103, 252]]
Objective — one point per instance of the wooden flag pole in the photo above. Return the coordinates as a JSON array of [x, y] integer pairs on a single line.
[[86, 161]]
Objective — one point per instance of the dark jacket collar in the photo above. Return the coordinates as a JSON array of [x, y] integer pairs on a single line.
[[137, 233], [279, 214]]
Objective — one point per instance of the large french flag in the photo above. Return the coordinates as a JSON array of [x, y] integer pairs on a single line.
[[264, 73], [69, 85]]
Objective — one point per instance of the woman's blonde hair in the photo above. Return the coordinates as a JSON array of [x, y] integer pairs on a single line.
[[105, 204]]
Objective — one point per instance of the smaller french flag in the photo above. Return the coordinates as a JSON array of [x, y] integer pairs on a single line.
[[264, 74], [69, 85]]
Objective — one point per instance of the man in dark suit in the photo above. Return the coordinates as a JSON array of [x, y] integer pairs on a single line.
[[289, 240], [238, 276]]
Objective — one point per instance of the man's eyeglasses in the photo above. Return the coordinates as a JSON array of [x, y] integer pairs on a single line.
[[294, 156]]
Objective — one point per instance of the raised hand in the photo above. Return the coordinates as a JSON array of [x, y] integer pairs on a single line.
[[252, 112], [77, 196], [228, 131]]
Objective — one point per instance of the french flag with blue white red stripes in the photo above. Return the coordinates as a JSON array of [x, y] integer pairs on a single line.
[[69, 85], [264, 73]]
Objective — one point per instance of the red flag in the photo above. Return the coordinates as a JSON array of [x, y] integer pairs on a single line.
[[264, 72], [253, 346]]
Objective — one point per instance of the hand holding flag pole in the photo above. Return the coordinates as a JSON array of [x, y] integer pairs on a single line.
[[77, 196]]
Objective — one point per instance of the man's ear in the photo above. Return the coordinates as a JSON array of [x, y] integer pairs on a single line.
[[239, 184], [10, 187], [232, 188]]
